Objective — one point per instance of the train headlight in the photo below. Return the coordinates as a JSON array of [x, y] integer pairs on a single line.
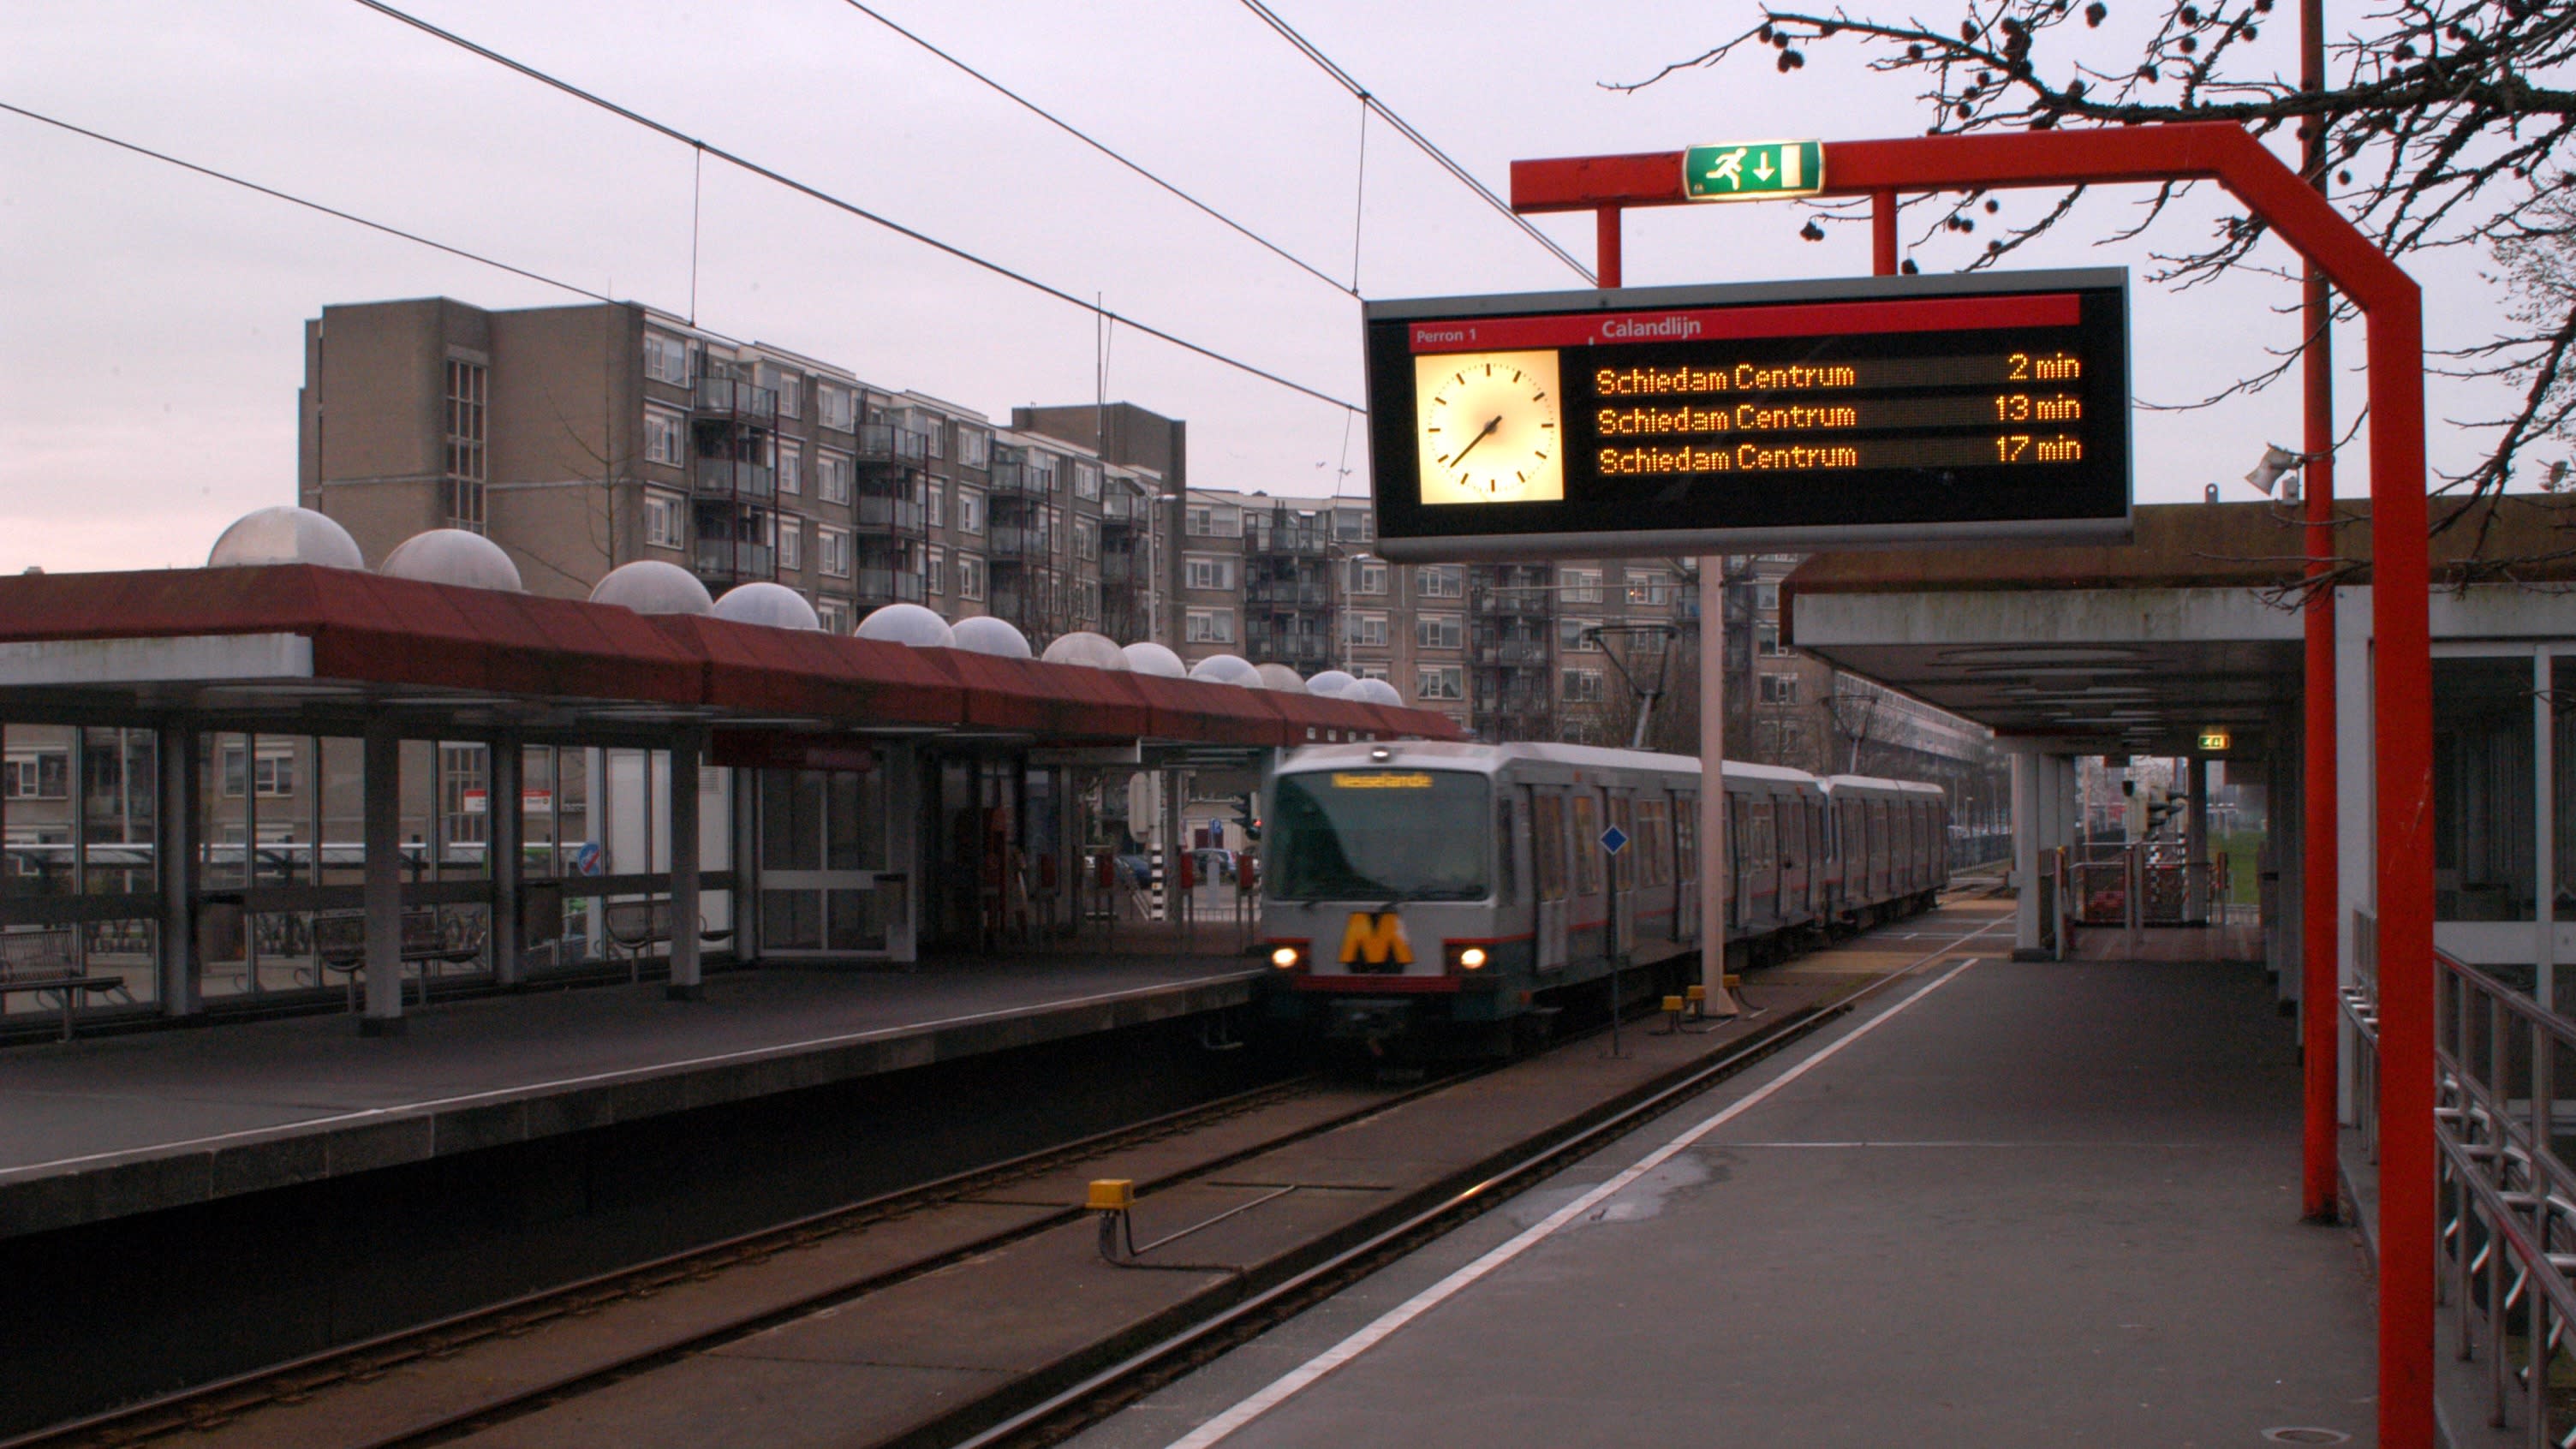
[[1472, 958], [1288, 957], [1463, 957]]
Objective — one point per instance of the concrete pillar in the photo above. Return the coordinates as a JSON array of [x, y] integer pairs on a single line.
[[1714, 870], [686, 983], [178, 818], [505, 822], [382, 833], [2029, 816]]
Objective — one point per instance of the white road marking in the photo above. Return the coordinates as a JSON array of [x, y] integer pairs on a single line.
[[1360, 1342], [745, 1054]]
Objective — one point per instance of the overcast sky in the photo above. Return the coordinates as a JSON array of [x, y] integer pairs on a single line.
[[151, 319]]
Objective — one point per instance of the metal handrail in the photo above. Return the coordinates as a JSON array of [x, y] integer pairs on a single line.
[[2507, 1203]]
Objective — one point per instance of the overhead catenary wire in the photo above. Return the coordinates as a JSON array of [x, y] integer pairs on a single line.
[[1061, 124], [307, 203], [839, 203], [1405, 129]]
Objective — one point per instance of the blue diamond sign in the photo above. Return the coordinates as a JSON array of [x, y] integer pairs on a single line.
[[1614, 840]]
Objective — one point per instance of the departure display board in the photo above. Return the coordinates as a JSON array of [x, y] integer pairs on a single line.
[[1876, 411]]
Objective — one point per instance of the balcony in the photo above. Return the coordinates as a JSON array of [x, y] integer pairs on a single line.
[[891, 515], [1520, 655], [886, 443], [1017, 478], [1123, 509], [729, 561], [887, 586], [1288, 593], [1301, 650], [1120, 569], [1287, 543], [1533, 603], [735, 396], [727, 478]]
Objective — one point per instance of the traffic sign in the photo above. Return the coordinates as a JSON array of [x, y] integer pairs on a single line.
[[1614, 840], [1753, 170]]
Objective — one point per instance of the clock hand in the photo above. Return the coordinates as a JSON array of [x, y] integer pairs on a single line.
[[1480, 437]]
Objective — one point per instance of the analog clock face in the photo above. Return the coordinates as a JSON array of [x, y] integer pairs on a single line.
[[1487, 422]]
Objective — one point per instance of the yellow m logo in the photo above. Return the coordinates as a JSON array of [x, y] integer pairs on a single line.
[[1375, 939]]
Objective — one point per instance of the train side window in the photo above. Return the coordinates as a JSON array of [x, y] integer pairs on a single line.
[[1507, 888], [1587, 843], [1623, 815], [1547, 829], [1653, 860]]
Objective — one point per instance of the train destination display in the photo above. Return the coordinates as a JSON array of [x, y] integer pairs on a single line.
[[1697, 420]]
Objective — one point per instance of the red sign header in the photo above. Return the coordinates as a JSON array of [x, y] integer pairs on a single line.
[[1806, 319]]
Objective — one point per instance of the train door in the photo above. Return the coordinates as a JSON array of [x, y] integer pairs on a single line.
[[1797, 862], [1685, 867], [1591, 900], [1625, 870], [1882, 853], [1547, 838]]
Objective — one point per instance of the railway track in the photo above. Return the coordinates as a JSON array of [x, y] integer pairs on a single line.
[[393, 1392]]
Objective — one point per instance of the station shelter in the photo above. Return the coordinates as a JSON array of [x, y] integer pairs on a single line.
[[238, 790], [2186, 645]]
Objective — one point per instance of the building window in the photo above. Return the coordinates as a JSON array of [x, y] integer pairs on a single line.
[[831, 476], [833, 615], [1766, 640], [38, 775], [467, 427], [835, 406], [1766, 597], [1086, 479], [936, 509], [661, 520], [1207, 571], [791, 470], [974, 446], [1214, 521], [970, 576], [663, 432], [935, 571], [1439, 631], [1365, 576], [1446, 681], [1440, 581], [666, 359], [1086, 539], [1583, 686], [789, 387], [271, 773], [791, 543], [1364, 630], [1649, 588], [970, 510], [1369, 671], [832, 552], [1086, 601], [1209, 626], [1354, 525], [1055, 529], [1571, 636], [1779, 689], [1582, 586]]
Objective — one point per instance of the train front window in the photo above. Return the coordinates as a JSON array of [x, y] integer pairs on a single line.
[[1380, 835]]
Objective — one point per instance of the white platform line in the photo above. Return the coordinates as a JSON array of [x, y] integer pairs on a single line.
[[1279, 1390], [431, 1104]]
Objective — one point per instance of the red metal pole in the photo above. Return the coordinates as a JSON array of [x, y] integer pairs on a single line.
[[1605, 265], [2320, 870], [1882, 233]]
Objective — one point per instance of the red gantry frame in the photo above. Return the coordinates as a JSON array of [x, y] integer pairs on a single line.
[[2401, 684]]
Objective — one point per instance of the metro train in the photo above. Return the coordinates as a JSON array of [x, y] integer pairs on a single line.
[[1451, 897]]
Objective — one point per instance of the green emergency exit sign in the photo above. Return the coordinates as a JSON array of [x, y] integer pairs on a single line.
[[1753, 170]]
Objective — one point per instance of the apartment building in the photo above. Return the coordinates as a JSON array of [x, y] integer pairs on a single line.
[[581, 438]]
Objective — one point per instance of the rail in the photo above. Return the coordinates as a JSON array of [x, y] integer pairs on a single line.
[[2506, 1213]]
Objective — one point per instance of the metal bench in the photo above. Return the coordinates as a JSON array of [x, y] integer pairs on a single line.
[[35, 962], [635, 927], [340, 944]]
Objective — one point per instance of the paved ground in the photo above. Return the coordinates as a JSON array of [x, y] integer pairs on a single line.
[[2042, 1205], [98, 1127]]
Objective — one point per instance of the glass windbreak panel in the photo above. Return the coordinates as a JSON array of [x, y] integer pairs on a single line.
[[791, 819], [420, 812], [574, 837], [342, 780], [848, 825], [2562, 760], [858, 921], [465, 807], [118, 952], [1380, 835], [119, 773], [2483, 790], [791, 920], [227, 812], [36, 809], [537, 837]]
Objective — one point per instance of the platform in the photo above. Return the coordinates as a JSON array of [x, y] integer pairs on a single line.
[[100, 1128], [2045, 1204]]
